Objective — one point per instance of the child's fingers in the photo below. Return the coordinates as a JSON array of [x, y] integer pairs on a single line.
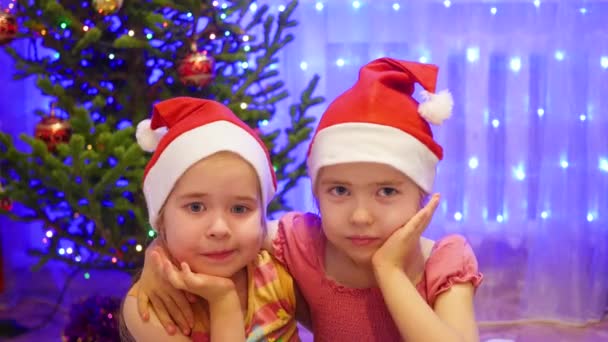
[[142, 305], [416, 221], [174, 277], [429, 210], [176, 312], [163, 315], [192, 281], [183, 303], [185, 267], [192, 298], [157, 261]]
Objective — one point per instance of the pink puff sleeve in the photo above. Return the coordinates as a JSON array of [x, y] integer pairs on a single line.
[[298, 241], [452, 261]]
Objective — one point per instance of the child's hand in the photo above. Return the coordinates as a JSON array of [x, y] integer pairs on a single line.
[[396, 249], [211, 288], [169, 303]]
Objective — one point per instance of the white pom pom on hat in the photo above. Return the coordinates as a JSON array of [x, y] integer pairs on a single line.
[[148, 138], [436, 108]]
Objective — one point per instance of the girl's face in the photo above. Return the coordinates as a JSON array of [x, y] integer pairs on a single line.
[[362, 204], [213, 218]]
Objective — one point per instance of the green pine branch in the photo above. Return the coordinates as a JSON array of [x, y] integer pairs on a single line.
[[88, 191]]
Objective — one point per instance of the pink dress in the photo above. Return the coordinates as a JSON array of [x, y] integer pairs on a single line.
[[346, 314]]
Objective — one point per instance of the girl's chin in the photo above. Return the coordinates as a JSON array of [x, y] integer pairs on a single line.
[[224, 271]]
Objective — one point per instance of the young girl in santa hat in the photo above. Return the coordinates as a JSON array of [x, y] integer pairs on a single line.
[[207, 186], [362, 266]]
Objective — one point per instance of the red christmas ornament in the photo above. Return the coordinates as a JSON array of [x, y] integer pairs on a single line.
[[197, 68], [8, 28], [6, 204], [53, 131]]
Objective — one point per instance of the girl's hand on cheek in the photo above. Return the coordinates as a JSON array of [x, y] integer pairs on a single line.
[[211, 288], [395, 250]]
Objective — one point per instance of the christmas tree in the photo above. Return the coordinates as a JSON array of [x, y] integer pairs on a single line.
[[109, 63]]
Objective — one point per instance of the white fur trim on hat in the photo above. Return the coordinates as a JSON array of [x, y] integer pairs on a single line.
[[367, 142], [194, 145]]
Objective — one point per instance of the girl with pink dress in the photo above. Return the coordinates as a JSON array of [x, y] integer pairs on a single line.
[[363, 271]]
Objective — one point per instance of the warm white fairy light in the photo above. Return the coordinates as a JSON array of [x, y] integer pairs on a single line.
[[515, 64], [473, 163], [472, 54], [540, 112]]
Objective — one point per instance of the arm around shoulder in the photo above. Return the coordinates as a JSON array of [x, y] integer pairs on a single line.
[[149, 331]]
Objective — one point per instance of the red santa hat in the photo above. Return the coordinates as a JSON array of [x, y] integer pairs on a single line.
[[184, 130], [378, 120]]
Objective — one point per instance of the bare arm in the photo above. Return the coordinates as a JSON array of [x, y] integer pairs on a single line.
[[152, 330], [226, 320], [171, 305], [452, 320]]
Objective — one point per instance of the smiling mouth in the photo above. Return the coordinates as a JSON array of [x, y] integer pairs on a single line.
[[219, 256]]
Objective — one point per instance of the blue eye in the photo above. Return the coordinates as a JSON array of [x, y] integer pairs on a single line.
[[196, 207], [387, 192], [339, 191]]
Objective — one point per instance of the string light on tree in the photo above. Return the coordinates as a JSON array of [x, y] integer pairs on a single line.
[[90, 227], [106, 7]]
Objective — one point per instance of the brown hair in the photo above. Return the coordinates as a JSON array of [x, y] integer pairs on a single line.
[[159, 224]]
